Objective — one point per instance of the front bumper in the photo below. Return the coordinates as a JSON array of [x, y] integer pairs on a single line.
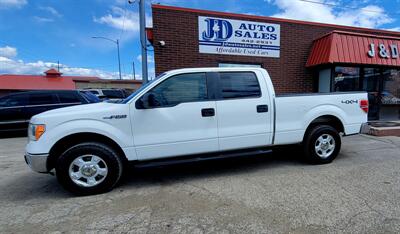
[[37, 162]]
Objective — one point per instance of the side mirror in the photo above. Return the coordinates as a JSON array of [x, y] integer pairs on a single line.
[[147, 101]]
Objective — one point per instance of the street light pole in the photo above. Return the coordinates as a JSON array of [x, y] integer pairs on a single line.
[[119, 59]]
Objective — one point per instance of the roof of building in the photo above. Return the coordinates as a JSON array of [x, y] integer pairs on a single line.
[[28, 82], [53, 71], [51, 81], [352, 48], [257, 17]]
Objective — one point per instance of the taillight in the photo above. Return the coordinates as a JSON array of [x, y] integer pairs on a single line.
[[364, 105]]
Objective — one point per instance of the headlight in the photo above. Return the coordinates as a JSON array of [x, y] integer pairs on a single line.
[[36, 131]]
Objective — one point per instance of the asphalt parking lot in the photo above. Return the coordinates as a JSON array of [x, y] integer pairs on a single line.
[[276, 193]]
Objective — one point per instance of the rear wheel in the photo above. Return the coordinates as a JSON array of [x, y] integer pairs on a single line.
[[89, 168], [321, 144]]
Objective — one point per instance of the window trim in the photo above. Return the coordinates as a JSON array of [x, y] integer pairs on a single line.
[[173, 105], [219, 90]]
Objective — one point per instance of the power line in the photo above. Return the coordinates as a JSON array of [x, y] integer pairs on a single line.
[[339, 6], [123, 20]]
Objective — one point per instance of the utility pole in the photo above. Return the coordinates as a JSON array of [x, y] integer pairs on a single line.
[[143, 42], [119, 61], [133, 69]]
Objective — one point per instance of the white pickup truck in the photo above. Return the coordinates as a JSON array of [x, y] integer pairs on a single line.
[[188, 114]]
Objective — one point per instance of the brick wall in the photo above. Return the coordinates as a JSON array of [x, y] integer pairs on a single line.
[[179, 29]]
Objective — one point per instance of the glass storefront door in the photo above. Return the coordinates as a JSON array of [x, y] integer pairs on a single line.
[[371, 84]]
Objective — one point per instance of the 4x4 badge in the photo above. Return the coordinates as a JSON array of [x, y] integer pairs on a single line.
[[349, 101]]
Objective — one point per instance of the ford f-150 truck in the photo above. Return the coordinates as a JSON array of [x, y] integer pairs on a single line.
[[188, 114]]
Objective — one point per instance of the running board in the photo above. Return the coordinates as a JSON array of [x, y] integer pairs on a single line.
[[200, 158]]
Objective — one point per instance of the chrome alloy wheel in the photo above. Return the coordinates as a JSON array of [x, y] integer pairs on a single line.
[[88, 170], [324, 145]]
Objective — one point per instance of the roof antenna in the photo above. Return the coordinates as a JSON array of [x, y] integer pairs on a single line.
[[58, 65]]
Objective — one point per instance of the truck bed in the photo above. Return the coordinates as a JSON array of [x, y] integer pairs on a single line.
[[294, 112]]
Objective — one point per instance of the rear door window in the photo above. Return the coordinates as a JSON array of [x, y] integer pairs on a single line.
[[42, 99], [70, 97], [239, 85]]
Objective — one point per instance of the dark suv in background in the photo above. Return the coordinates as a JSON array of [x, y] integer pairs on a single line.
[[17, 109]]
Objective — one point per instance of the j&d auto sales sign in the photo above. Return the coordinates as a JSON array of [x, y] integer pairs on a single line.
[[237, 37]]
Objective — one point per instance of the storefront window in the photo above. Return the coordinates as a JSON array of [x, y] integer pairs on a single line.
[[391, 87], [371, 79], [346, 79]]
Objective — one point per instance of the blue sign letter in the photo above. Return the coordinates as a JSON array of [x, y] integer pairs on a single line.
[[217, 30]]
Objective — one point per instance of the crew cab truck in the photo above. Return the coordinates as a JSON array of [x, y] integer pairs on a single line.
[[188, 114]]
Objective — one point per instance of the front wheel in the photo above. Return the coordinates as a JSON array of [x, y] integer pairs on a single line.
[[321, 144], [89, 168]]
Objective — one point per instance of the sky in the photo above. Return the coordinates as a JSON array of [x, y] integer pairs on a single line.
[[35, 35]]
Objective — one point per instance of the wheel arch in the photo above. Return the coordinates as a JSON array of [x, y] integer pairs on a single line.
[[330, 120], [70, 140]]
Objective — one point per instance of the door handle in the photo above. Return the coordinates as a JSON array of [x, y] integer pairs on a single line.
[[207, 112], [262, 108]]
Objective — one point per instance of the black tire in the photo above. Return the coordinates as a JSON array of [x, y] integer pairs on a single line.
[[110, 158], [317, 156]]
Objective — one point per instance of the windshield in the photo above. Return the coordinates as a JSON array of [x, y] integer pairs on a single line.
[[90, 97], [126, 100]]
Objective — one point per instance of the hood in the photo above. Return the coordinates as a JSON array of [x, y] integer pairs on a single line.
[[87, 111]]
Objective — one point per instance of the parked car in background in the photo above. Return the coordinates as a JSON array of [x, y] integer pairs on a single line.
[[109, 95], [17, 109]]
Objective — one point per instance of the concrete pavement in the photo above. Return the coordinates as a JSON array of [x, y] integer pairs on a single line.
[[277, 193]]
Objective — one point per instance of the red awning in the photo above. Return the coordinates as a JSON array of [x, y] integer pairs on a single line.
[[150, 35], [355, 48]]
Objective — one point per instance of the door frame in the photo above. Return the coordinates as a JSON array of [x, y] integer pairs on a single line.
[[143, 151]]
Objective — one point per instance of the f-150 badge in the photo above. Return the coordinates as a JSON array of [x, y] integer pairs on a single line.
[[115, 117]]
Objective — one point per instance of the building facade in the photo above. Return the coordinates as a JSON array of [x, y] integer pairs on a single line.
[[299, 56]]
